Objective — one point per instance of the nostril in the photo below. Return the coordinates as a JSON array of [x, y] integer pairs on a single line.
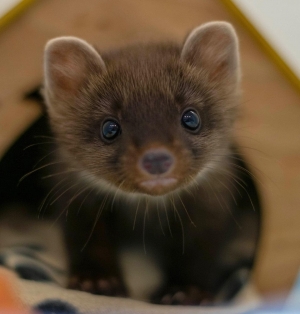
[[157, 162]]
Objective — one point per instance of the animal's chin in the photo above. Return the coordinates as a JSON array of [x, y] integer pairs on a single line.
[[155, 186], [158, 186]]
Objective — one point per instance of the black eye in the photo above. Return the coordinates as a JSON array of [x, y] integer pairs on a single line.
[[110, 130], [191, 120]]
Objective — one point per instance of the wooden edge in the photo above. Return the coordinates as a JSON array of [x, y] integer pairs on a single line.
[[15, 118], [263, 256], [14, 12], [282, 65]]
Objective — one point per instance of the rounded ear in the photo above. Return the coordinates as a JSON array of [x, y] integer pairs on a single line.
[[67, 63], [213, 47]]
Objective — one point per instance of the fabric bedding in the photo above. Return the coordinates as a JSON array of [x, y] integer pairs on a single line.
[[33, 275]]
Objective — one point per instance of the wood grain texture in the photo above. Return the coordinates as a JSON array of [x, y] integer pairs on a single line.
[[268, 129]]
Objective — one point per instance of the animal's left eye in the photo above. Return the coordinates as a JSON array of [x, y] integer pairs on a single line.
[[110, 130], [191, 120]]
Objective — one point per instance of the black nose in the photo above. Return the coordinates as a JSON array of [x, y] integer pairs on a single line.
[[157, 161]]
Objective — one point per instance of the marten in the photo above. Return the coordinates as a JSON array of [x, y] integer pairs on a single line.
[[159, 202]]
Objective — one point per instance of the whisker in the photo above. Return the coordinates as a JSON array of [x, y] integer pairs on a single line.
[[42, 167], [45, 136], [59, 173], [114, 198], [161, 226], [96, 220], [243, 170], [197, 184], [187, 189], [230, 212], [222, 183], [238, 181], [233, 175], [182, 231], [48, 194], [58, 217], [45, 157], [227, 207], [246, 193], [136, 212], [65, 191], [171, 198], [144, 226], [264, 155], [78, 193], [78, 211], [36, 144], [186, 211], [207, 181], [180, 221], [248, 172], [225, 174], [167, 216]]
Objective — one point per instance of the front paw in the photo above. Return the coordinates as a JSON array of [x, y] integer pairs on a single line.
[[108, 286], [183, 295]]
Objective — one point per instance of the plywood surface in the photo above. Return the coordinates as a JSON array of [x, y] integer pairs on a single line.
[[268, 129]]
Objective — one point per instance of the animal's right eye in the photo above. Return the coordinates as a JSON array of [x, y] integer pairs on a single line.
[[191, 120], [110, 130]]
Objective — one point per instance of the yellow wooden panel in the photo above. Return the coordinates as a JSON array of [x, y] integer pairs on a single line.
[[264, 43], [14, 12]]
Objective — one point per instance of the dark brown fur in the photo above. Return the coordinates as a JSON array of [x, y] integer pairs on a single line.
[[146, 88]]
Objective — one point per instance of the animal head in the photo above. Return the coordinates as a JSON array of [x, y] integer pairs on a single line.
[[149, 118]]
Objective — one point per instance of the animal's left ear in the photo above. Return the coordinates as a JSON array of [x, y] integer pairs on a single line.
[[68, 63], [213, 48]]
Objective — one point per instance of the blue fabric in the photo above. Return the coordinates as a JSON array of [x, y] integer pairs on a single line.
[[291, 306], [26, 262], [55, 307], [293, 301]]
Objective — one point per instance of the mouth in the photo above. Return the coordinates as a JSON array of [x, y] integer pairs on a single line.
[[158, 183]]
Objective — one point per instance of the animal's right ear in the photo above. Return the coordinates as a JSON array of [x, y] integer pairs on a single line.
[[213, 47], [68, 63]]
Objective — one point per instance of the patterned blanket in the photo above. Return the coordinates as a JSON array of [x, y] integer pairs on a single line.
[[33, 275], [25, 297]]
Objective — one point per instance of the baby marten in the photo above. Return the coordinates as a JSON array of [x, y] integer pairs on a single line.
[[147, 170]]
